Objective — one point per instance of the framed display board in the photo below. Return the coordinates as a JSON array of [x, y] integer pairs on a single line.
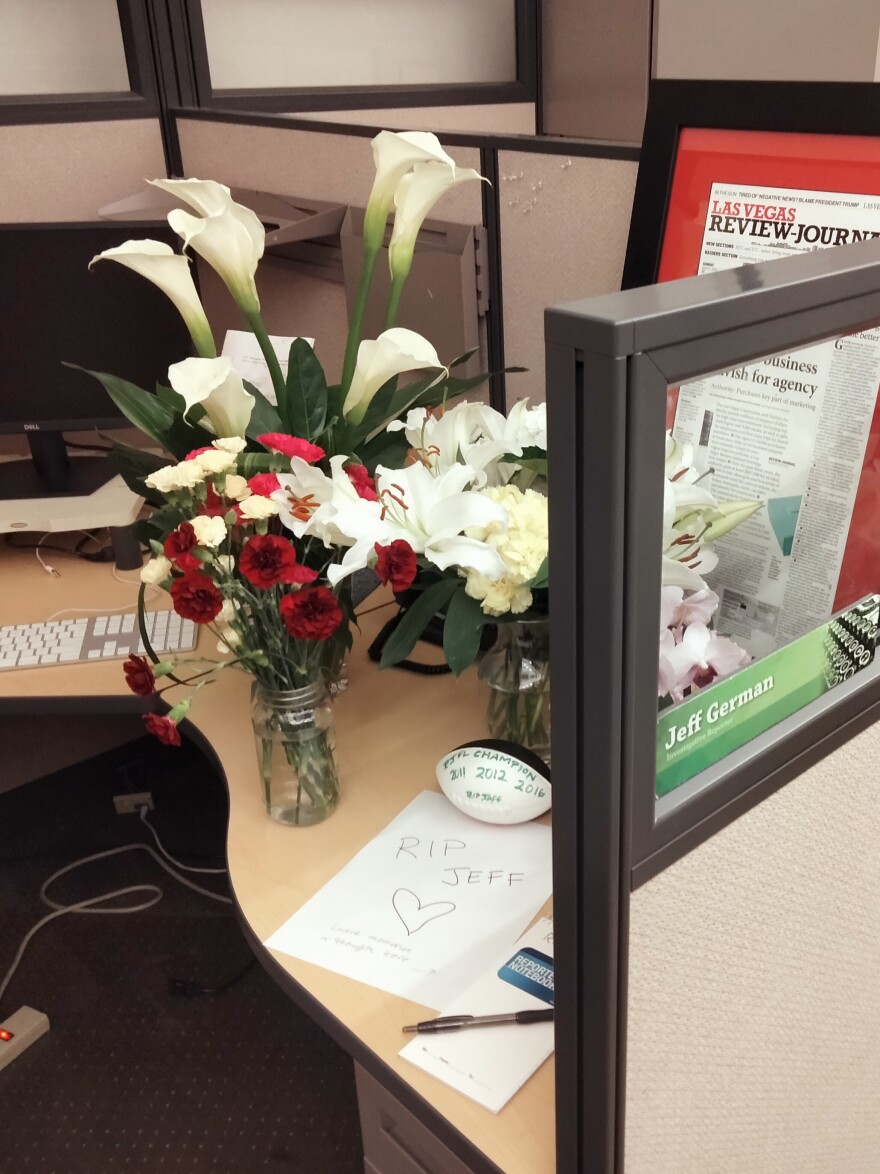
[[734, 173]]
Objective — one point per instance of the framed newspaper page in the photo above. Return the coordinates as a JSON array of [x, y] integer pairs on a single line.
[[733, 173]]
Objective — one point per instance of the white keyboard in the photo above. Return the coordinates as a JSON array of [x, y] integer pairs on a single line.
[[110, 637]]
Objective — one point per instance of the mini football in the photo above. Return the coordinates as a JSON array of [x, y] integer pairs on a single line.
[[495, 781]]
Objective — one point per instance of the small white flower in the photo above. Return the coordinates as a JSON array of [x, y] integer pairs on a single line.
[[256, 507], [157, 570], [170, 478], [226, 563], [215, 461], [209, 531], [227, 612], [236, 487], [233, 444]]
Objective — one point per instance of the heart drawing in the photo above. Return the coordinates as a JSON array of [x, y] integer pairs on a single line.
[[414, 914]]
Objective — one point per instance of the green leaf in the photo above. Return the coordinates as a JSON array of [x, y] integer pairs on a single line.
[[415, 619], [249, 464], [464, 624], [463, 358], [542, 575], [264, 415], [388, 448], [140, 407], [304, 408]]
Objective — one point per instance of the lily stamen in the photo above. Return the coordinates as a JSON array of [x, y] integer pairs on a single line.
[[302, 508]]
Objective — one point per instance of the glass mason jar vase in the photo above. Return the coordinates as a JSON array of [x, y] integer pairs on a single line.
[[516, 670], [295, 739]]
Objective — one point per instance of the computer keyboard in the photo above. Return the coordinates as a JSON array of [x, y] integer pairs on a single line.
[[110, 637]]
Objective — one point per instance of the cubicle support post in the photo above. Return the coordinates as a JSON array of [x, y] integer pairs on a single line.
[[587, 424]]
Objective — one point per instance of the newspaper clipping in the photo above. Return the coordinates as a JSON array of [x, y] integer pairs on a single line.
[[790, 429]]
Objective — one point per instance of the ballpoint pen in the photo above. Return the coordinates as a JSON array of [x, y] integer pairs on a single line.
[[457, 1022]]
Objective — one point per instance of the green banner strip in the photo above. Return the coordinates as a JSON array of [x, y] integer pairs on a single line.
[[704, 728]]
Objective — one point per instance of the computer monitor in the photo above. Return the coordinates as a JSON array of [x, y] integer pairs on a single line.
[[54, 310]]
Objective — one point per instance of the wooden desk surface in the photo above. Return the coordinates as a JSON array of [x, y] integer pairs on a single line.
[[391, 729]]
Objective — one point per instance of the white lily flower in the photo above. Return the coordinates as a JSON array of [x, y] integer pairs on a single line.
[[416, 194], [394, 154], [170, 272], [468, 433], [430, 513], [229, 236], [216, 385], [380, 359]]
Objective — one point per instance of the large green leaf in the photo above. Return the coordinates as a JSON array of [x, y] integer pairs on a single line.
[[416, 619], [388, 448], [251, 463], [304, 406], [141, 407], [462, 629], [264, 415]]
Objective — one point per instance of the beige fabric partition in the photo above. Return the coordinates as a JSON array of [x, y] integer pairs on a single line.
[[315, 165], [564, 224], [507, 118], [68, 170], [754, 1001]]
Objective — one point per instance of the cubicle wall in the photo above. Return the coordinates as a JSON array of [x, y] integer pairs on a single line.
[[717, 979]]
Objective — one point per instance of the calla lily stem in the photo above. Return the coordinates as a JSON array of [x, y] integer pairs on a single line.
[[262, 336], [371, 252]]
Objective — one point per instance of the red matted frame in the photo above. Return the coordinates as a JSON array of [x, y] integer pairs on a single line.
[[796, 135]]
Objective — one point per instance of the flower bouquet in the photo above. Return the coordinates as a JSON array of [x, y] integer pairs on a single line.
[[224, 531], [463, 520]]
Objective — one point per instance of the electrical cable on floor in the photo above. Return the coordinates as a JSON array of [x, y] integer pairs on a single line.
[[85, 906]]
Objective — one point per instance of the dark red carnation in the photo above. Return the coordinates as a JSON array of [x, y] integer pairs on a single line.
[[179, 547], [196, 597], [163, 728], [396, 564], [364, 485], [311, 614], [291, 446], [139, 675], [264, 484], [267, 560]]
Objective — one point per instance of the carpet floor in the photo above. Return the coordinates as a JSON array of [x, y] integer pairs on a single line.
[[130, 1077]]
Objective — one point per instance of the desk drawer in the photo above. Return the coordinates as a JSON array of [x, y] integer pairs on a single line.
[[395, 1142]]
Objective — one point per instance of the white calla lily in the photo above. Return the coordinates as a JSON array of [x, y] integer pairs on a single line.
[[229, 236], [417, 193], [394, 154], [380, 359], [217, 386], [170, 272]]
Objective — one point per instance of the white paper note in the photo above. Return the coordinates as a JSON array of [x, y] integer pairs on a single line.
[[243, 349], [425, 906], [489, 1064]]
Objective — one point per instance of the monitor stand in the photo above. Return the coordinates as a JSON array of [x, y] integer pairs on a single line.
[[110, 504]]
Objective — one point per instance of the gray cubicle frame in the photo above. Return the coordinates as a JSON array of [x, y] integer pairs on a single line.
[[610, 361]]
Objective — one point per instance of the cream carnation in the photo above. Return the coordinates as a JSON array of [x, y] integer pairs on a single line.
[[157, 570], [236, 487], [233, 444], [256, 507], [185, 475], [522, 547], [209, 531], [214, 460]]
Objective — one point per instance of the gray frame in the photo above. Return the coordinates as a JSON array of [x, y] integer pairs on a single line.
[[609, 362]]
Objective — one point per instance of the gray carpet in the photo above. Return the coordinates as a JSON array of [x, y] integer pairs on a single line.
[[131, 1077]]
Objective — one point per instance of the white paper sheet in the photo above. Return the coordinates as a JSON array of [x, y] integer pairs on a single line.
[[425, 906], [243, 349], [489, 1064]]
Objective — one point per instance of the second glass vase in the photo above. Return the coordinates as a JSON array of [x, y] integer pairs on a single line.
[[516, 670]]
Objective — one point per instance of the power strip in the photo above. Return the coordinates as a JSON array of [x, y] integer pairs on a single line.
[[19, 1031]]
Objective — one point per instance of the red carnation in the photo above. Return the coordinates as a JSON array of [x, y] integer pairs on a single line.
[[364, 485], [139, 675], [196, 597], [311, 614], [291, 446], [163, 728], [264, 484], [179, 546], [267, 560], [396, 564], [197, 452]]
